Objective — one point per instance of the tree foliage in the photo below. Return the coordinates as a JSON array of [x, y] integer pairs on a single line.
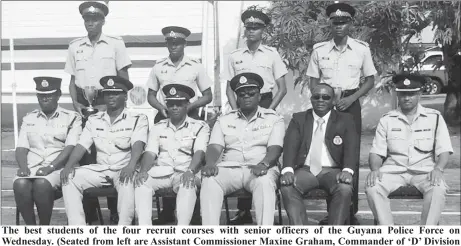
[[387, 26]]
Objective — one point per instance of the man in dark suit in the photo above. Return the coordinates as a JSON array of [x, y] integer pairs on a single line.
[[320, 151]]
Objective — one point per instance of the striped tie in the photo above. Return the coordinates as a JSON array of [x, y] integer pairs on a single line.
[[316, 150]]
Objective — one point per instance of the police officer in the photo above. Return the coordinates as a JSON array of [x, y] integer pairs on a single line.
[[119, 135], [340, 63], [94, 56], [404, 152], [180, 143], [265, 61], [46, 139], [177, 68], [89, 59], [251, 139]]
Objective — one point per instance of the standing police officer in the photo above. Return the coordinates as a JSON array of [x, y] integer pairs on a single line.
[[89, 59], [180, 143], [340, 63], [267, 63], [46, 139], [94, 56], [411, 147], [177, 68], [119, 136]]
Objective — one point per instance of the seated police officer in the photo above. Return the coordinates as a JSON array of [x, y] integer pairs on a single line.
[[250, 142], [46, 139], [179, 142], [411, 147], [119, 136]]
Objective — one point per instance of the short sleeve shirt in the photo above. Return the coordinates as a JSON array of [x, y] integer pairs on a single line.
[[90, 63], [113, 141], [173, 146], [245, 141], [410, 146], [47, 137], [341, 68], [189, 72], [266, 62]]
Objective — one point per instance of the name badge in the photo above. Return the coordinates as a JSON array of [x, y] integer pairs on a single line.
[[231, 126], [396, 130], [163, 137]]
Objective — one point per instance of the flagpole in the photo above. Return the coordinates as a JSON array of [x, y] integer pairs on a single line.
[[14, 86]]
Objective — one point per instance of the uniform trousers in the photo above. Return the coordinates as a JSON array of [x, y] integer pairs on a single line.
[[85, 177], [231, 179], [339, 193], [185, 198], [244, 204], [433, 203]]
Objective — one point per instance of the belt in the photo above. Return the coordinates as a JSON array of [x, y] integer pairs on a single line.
[[347, 93]]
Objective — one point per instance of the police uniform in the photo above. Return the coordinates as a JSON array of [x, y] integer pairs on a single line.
[[90, 63], [175, 148], [266, 61], [342, 68], [45, 137], [409, 149], [189, 72], [245, 143], [113, 143]]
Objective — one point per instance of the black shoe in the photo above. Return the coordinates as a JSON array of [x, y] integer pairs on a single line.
[[324, 221], [165, 217], [354, 221], [242, 217], [114, 219]]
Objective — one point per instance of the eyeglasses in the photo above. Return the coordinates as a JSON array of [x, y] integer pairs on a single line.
[[246, 93], [324, 97]]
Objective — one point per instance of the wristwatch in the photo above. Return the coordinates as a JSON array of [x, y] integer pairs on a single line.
[[265, 164], [189, 170]]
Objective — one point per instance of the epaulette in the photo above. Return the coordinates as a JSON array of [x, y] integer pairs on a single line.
[[273, 49], [235, 50], [391, 113], [75, 40], [317, 45], [231, 112], [196, 60], [432, 111], [161, 60], [114, 37], [164, 121], [361, 42], [199, 122]]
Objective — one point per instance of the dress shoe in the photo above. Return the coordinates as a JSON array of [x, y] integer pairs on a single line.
[[242, 217], [165, 217], [354, 221], [114, 218]]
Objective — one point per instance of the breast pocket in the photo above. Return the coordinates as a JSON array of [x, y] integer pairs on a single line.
[[327, 68], [354, 68], [108, 65], [424, 144], [231, 136], [241, 67], [60, 135], [397, 142], [122, 140], [80, 67]]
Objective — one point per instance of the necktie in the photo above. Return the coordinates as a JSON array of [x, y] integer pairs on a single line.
[[316, 150]]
